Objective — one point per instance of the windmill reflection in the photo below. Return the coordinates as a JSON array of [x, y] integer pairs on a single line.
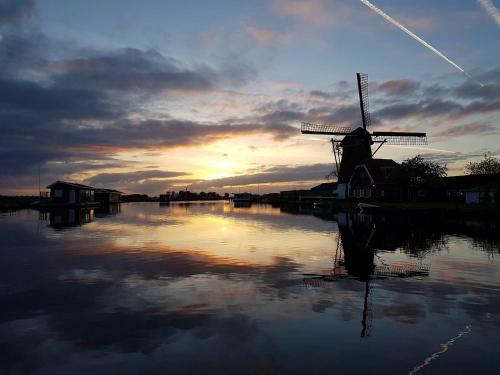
[[360, 237]]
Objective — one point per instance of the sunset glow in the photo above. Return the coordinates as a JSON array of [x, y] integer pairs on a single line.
[[169, 96]]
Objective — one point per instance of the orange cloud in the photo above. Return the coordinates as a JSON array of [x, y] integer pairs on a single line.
[[315, 12], [267, 36]]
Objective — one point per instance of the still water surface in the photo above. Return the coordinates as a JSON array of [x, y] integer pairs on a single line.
[[210, 288]]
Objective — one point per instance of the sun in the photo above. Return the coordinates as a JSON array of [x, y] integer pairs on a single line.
[[222, 168]]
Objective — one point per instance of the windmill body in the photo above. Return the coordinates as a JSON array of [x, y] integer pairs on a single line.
[[353, 147]]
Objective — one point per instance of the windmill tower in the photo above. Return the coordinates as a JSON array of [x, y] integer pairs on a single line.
[[352, 147]]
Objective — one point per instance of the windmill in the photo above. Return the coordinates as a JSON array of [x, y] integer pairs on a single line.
[[353, 146]]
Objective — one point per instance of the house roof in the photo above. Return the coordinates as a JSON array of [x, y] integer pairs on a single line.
[[71, 184], [325, 186], [471, 181], [376, 169], [102, 190]]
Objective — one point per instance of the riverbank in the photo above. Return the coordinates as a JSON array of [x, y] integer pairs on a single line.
[[449, 207], [11, 203]]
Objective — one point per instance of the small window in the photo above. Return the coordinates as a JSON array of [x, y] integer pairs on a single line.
[[58, 193]]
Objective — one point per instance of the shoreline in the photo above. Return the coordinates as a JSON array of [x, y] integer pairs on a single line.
[[14, 203]]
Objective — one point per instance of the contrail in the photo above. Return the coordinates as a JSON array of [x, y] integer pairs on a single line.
[[416, 37], [424, 148], [491, 9]]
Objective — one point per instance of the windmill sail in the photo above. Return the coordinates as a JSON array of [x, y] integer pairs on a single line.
[[363, 98], [400, 138], [309, 128]]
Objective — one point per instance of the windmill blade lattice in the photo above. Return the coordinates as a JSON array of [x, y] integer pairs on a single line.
[[309, 128], [363, 98], [401, 139]]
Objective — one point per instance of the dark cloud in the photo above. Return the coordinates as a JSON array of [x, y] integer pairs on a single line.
[[54, 102], [468, 129], [471, 90], [422, 109], [320, 94], [13, 11], [281, 105], [134, 69], [118, 179], [22, 55], [399, 87]]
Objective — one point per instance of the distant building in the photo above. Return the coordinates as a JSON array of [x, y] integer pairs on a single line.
[[471, 189], [70, 193], [375, 179], [107, 195], [293, 195], [318, 192], [325, 189]]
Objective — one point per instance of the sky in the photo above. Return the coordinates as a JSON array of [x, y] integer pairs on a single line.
[[149, 96]]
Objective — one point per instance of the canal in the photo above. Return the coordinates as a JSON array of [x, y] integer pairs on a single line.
[[207, 287]]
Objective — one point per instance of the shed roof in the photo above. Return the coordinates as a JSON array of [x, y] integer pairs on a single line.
[[325, 186], [102, 190], [71, 184]]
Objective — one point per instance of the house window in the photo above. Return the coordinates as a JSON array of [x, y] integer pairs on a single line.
[[382, 193], [58, 193], [361, 193]]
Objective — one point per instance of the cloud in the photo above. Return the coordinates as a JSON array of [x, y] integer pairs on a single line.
[[468, 129], [13, 11], [267, 36], [399, 87], [54, 102], [25, 141], [471, 90], [276, 174], [421, 109], [320, 94], [118, 179], [134, 69], [491, 9], [314, 12]]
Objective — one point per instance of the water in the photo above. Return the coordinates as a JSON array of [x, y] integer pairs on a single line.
[[210, 288]]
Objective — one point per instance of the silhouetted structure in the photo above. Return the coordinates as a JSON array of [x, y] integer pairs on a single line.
[[375, 179], [71, 194], [481, 188], [107, 195], [186, 195], [242, 199], [352, 147]]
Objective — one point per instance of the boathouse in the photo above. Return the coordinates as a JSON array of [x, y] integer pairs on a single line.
[[107, 195], [71, 194]]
